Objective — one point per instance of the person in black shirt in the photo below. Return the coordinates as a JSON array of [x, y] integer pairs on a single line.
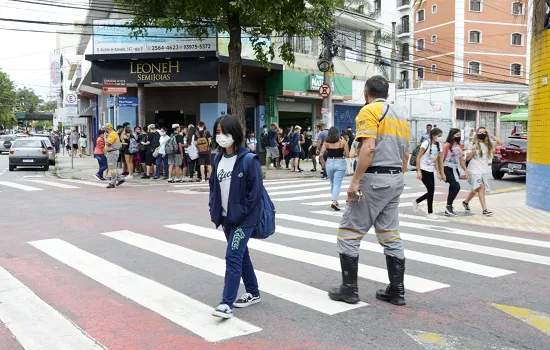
[[176, 160], [152, 141], [203, 142]]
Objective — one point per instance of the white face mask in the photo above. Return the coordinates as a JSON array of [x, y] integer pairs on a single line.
[[224, 140], [438, 139], [162, 133]]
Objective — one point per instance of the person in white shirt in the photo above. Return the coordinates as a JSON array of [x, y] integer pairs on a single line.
[[251, 142], [428, 162], [162, 157], [479, 155]]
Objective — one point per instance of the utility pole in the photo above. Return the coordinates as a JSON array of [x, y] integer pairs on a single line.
[[326, 65], [393, 55]]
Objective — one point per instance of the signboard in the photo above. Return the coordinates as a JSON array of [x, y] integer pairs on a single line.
[[123, 101], [55, 73], [115, 90], [114, 36], [286, 99], [71, 99], [325, 90], [315, 81], [435, 108], [114, 82], [156, 70]]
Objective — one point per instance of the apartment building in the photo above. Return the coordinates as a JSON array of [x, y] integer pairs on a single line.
[[470, 41]]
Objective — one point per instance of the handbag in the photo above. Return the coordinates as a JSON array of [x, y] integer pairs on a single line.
[[193, 150]]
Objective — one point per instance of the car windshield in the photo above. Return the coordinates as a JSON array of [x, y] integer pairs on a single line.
[[28, 144], [516, 142], [7, 138]]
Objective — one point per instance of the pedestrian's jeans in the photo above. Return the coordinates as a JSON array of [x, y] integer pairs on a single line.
[[238, 264], [159, 160], [102, 160], [336, 170]]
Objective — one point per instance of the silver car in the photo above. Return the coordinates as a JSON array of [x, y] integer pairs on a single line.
[[5, 142], [49, 147], [29, 152]]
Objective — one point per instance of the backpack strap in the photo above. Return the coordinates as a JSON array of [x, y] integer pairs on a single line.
[[385, 113], [246, 162]]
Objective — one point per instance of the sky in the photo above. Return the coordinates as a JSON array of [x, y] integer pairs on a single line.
[[25, 56]]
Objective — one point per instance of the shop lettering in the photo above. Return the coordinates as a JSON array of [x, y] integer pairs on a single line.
[[154, 71]]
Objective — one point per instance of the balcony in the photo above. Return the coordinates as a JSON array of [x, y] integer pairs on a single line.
[[403, 28], [403, 4]]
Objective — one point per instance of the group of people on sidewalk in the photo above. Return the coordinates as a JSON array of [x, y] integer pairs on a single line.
[[448, 161], [179, 155]]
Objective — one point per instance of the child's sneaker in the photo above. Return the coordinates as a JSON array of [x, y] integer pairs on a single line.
[[223, 311]]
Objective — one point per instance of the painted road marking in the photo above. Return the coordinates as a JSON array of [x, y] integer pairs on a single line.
[[89, 183], [34, 323], [188, 192], [313, 184], [19, 186], [413, 283], [328, 203], [176, 307], [539, 320], [266, 183], [342, 194], [295, 191], [283, 288], [435, 341], [51, 183], [455, 264], [503, 253]]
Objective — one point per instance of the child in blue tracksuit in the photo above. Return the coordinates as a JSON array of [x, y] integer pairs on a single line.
[[234, 198]]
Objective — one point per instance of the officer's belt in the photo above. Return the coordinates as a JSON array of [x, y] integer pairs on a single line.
[[382, 170]]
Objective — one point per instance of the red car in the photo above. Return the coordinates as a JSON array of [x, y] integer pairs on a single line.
[[511, 158]]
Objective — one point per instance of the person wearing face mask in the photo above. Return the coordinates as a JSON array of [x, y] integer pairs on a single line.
[[162, 157], [428, 162], [479, 156], [235, 194], [453, 160]]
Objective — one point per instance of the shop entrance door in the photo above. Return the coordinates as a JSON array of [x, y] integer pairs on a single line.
[[167, 118]]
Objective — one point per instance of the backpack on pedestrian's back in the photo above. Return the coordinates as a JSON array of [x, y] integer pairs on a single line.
[[264, 141], [414, 155], [266, 224], [171, 146], [133, 147], [202, 143], [192, 150]]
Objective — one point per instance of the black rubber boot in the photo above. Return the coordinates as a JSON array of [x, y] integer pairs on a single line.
[[348, 291], [395, 291]]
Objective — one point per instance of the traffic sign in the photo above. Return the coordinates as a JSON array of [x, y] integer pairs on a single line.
[[70, 98], [115, 90], [325, 90]]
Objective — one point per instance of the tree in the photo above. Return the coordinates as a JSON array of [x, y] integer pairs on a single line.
[[258, 18], [7, 101], [27, 101], [49, 106]]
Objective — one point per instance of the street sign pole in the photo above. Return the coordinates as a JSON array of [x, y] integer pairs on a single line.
[[115, 110]]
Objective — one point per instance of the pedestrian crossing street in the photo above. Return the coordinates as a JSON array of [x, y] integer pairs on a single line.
[[481, 260]]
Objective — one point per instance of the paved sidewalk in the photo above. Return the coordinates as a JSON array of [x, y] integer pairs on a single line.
[[510, 212]]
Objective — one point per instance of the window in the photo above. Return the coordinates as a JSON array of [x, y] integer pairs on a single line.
[[474, 68], [434, 68], [404, 26], [474, 37], [420, 73], [434, 38], [517, 9], [517, 39], [434, 9], [405, 52], [352, 40], [515, 70], [475, 5], [420, 45], [420, 16]]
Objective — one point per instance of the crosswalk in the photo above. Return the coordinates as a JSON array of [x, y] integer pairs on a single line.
[[21, 309]]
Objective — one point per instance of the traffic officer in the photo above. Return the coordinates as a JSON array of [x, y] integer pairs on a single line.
[[373, 195]]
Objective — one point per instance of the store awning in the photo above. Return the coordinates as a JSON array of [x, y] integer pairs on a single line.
[[518, 115]]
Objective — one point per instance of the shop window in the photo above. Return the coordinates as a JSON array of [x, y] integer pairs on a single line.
[[517, 39], [474, 68], [515, 70], [474, 37]]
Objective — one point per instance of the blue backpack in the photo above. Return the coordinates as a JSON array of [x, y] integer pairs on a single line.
[[266, 225]]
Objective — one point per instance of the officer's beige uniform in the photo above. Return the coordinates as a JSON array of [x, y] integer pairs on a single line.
[[381, 185]]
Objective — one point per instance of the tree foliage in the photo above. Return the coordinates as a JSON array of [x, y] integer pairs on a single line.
[[7, 101], [49, 106], [258, 18], [27, 101]]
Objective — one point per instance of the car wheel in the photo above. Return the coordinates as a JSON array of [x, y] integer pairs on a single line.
[[11, 167], [52, 162], [497, 174], [47, 167]]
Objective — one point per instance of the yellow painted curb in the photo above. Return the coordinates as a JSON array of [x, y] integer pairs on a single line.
[[539, 320]]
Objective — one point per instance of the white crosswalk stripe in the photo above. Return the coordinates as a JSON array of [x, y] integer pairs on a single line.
[[176, 307], [417, 284], [500, 252], [34, 323], [292, 291], [52, 183], [19, 186]]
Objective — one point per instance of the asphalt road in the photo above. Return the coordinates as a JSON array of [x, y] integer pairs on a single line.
[[140, 266]]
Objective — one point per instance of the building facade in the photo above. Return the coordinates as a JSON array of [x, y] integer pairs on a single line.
[[471, 41]]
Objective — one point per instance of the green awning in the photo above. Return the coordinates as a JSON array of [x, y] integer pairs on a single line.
[[520, 114]]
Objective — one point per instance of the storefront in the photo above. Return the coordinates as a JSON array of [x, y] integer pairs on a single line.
[[292, 97]]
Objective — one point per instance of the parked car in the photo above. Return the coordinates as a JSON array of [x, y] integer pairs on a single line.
[[511, 158], [49, 146], [29, 152], [5, 142]]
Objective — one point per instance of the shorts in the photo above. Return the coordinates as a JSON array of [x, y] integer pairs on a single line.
[[295, 154], [175, 159], [204, 159], [272, 152], [75, 146], [149, 159], [476, 180]]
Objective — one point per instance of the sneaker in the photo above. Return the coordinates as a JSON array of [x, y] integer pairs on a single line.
[[416, 206], [433, 216], [466, 206], [449, 211], [98, 177], [145, 177], [120, 182], [223, 311], [246, 300], [129, 177], [487, 212], [110, 186]]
